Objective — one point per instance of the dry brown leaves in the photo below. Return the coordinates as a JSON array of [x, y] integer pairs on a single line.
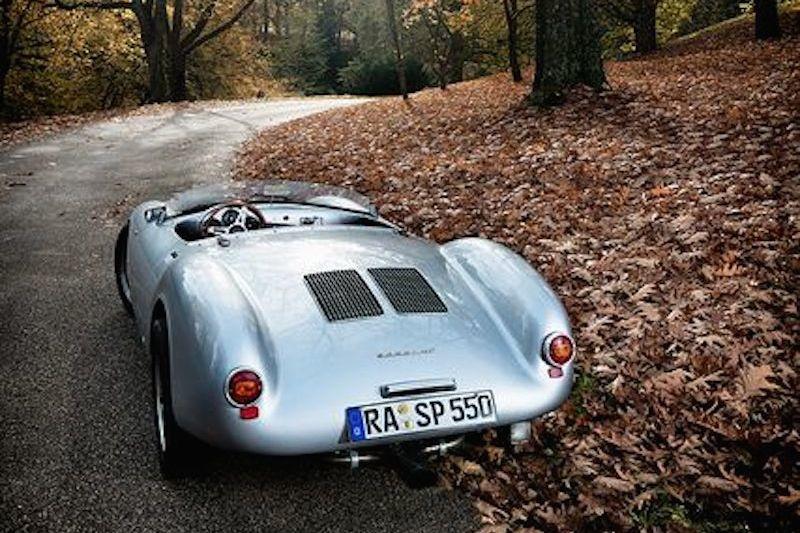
[[666, 213], [12, 133]]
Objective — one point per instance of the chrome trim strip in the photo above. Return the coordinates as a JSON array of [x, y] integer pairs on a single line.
[[423, 386]]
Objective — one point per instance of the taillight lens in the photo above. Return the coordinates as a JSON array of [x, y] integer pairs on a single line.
[[558, 349], [244, 387]]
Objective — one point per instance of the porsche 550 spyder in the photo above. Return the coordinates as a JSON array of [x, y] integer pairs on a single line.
[[287, 318]]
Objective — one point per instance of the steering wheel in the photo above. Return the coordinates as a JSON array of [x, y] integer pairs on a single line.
[[232, 217]]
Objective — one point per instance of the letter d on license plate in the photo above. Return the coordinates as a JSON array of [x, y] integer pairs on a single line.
[[420, 414]]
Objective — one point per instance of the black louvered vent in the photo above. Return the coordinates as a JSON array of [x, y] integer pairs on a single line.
[[408, 291], [343, 295]]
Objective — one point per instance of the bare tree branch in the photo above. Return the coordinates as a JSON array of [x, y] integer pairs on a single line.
[[222, 27], [199, 26]]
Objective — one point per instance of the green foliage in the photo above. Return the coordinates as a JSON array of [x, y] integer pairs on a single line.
[[301, 63], [486, 35], [299, 57], [231, 66], [704, 13], [437, 30], [585, 385], [674, 18], [372, 74], [372, 69], [336, 47], [618, 37], [672, 15], [661, 512]]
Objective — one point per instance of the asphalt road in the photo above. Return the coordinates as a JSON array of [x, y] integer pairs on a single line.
[[76, 443]]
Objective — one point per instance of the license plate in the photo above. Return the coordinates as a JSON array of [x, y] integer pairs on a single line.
[[420, 414]]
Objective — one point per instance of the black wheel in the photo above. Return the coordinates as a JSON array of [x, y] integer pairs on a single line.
[[176, 448], [413, 466], [121, 269], [504, 438]]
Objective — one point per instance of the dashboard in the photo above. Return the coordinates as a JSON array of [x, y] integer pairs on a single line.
[[235, 217]]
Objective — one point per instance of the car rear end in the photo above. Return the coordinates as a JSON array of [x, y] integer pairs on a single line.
[[389, 345]]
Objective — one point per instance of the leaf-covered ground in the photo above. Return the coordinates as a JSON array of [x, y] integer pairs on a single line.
[[666, 213]]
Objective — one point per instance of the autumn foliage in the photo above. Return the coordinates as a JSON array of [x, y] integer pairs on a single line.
[[666, 213]]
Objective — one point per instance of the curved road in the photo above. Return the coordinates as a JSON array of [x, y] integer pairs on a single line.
[[76, 444]]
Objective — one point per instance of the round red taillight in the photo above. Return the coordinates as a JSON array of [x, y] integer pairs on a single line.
[[244, 387], [558, 349]]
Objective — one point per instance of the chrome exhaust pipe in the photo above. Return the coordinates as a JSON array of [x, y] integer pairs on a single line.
[[442, 448], [353, 459]]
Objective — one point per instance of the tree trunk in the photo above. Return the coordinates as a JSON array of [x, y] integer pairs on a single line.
[[399, 60], [176, 75], [5, 67], [284, 21], [568, 50], [510, 8], [156, 82], [644, 26], [178, 91], [767, 24], [455, 57], [263, 31], [153, 45], [441, 71], [5, 52], [3, 77], [439, 47]]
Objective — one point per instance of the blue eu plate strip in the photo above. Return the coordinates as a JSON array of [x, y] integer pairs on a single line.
[[356, 424]]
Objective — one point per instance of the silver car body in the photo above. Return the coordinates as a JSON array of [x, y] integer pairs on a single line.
[[242, 302]]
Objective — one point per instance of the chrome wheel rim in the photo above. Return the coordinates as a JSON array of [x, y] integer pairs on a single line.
[[159, 400]]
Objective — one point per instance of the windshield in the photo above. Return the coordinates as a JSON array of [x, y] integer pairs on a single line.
[[271, 191]]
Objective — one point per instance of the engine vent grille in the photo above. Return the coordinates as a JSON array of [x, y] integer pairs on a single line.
[[343, 295], [408, 291]]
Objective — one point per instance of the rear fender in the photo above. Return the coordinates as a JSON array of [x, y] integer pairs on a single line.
[[214, 329], [523, 303]]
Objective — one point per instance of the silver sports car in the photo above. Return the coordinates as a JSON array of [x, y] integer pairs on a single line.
[[288, 318]]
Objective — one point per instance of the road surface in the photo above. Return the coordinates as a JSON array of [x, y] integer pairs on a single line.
[[76, 443]]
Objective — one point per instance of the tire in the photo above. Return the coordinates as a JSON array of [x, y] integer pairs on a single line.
[[121, 269], [412, 466], [176, 448], [504, 438]]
